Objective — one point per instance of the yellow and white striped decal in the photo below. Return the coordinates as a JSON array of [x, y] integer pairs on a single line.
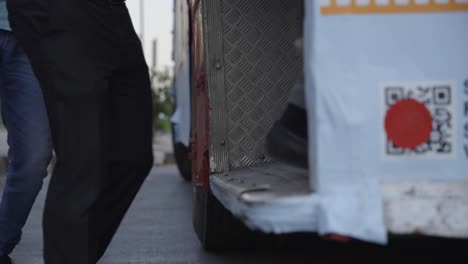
[[345, 7]]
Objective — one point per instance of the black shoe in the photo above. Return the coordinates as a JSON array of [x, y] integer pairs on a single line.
[[6, 260], [288, 140]]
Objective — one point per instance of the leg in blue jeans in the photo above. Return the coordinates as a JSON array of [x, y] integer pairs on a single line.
[[30, 148]]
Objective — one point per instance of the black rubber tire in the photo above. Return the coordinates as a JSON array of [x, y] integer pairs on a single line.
[[181, 156], [216, 228]]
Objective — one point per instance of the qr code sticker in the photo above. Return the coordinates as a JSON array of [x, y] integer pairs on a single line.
[[437, 97]]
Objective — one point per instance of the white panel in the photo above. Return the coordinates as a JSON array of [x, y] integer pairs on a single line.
[[363, 2], [383, 2], [343, 2], [324, 2], [422, 2], [402, 2]]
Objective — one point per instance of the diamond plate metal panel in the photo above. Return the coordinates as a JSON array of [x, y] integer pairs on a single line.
[[259, 67]]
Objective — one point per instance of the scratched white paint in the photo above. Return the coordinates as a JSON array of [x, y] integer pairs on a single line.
[[427, 207]]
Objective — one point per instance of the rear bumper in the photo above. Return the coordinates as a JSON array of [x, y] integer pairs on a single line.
[[275, 199], [426, 208]]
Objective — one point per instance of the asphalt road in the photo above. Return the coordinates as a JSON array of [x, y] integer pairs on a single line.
[[158, 230]]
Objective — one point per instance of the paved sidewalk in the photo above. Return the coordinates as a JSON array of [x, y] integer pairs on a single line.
[[162, 148], [152, 232]]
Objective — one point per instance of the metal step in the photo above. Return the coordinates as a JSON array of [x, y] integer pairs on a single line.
[[273, 198]]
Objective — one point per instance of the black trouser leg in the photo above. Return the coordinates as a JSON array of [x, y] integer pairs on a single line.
[[131, 158], [97, 89], [103, 156], [76, 182], [74, 127]]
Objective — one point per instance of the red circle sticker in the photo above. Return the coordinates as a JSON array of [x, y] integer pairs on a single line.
[[408, 123]]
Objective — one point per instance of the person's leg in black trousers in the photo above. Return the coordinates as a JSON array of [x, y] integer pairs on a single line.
[[110, 137], [97, 91], [130, 104]]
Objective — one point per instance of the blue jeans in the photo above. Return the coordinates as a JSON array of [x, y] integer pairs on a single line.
[[30, 148]]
